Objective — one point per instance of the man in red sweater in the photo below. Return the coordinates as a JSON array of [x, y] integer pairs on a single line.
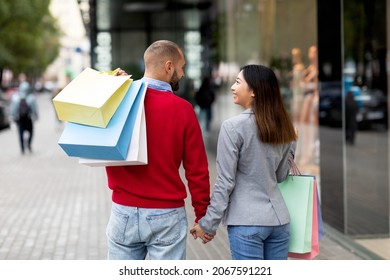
[[148, 214]]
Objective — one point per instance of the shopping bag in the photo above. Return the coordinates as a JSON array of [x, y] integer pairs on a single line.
[[137, 153], [315, 246], [91, 98], [321, 230], [297, 192], [112, 142]]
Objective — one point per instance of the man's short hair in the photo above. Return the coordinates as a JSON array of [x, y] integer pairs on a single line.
[[161, 51]]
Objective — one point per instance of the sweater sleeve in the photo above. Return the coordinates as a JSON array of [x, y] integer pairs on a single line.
[[196, 167]]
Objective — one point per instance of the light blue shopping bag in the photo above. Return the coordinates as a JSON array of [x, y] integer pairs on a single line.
[[112, 142]]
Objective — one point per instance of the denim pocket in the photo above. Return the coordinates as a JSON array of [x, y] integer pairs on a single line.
[[165, 227], [116, 227]]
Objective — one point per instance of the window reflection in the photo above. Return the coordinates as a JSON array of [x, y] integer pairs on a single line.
[[307, 123], [283, 35], [365, 88]]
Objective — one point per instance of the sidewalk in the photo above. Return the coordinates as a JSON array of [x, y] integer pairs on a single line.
[[52, 208]]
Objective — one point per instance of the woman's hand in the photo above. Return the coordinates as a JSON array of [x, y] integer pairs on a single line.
[[197, 231]]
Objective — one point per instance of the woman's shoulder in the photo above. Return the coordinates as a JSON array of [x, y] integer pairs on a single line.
[[242, 117], [240, 121]]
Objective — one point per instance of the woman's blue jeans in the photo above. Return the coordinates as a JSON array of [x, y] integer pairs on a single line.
[[259, 242], [133, 232]]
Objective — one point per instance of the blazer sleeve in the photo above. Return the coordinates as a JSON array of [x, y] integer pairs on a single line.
[[284, 167], [228, 149]]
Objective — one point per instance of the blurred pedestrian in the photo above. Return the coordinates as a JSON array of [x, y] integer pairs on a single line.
[[254, 154], [24, 112], [351, 110], [204, 98], [148, 214]]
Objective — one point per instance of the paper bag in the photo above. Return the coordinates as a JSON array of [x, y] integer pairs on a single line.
[[137, 153], [321, 230], [91, 98], [315, 246], [112, 142], [297, 192]]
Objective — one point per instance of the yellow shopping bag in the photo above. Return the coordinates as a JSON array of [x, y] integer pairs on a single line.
[[91, 98]]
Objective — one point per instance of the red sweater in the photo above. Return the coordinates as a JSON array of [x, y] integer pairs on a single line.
[[173, 137]]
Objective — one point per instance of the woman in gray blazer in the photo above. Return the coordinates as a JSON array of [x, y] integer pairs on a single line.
[[254, 154]]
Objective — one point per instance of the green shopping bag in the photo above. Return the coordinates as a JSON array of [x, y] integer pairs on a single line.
[[297, 191], [315, 232]]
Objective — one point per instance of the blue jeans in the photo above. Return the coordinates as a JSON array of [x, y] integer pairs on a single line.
[[25, 126], [133, 233], [259, 242]]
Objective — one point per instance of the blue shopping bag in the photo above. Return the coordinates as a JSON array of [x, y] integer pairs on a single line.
[[112, 142], [137, 153]]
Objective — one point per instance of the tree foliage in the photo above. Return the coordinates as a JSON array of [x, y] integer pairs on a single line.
[[29, 36]]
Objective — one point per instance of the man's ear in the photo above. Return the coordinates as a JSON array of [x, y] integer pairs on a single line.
[[168, 66]]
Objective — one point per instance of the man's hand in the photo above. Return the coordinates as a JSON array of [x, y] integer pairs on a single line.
[[119, 72], [197, 231]]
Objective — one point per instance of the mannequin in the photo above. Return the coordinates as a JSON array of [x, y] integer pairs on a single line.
[[309, 112], [297, 84], [310, 103]]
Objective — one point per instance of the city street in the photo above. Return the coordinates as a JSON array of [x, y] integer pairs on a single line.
[[52, 208]]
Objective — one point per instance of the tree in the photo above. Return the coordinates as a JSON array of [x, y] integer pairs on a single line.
[[29, 36]]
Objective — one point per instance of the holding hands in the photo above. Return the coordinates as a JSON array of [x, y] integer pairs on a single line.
[[197, 231]]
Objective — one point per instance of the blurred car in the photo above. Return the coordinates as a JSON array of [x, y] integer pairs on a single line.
[[372, 105], [372, 108], [330, 106]]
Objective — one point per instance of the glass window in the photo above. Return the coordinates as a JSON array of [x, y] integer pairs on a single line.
[[281, 35], [366, 118]]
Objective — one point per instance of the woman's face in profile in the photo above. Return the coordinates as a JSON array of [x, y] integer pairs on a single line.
[[242, 94]]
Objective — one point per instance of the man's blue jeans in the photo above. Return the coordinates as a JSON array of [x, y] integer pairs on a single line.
[[259, 242], [133, 233]]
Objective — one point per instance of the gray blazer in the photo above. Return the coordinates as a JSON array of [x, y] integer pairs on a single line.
[[246, 190]]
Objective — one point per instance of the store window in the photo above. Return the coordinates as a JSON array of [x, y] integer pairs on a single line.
[[366, 118], [353, 147], [283, 36]]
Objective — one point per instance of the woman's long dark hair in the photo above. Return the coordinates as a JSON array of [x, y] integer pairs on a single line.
[[274, 125]]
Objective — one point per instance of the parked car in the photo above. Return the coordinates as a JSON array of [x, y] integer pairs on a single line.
[[372, 109], [372, 105], [330, 106]]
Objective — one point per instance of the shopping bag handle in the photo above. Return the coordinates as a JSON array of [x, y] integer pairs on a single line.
[[116, 72], [110, 72], [294, 168]]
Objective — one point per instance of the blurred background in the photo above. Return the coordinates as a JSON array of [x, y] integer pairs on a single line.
[[321, 50]]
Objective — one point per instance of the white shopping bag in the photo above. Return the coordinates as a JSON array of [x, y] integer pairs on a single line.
[[137, 152]]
